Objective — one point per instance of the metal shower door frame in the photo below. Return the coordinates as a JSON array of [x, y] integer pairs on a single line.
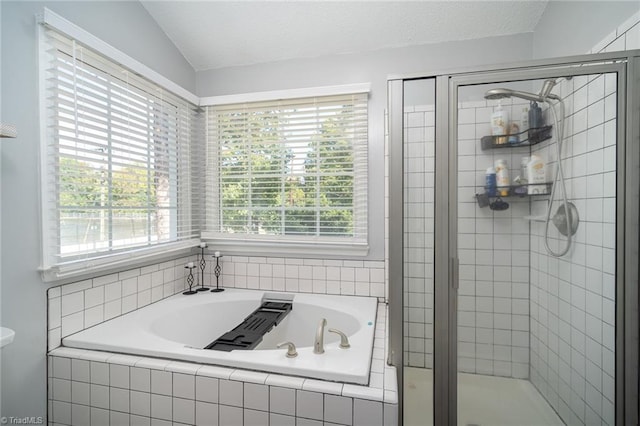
[[627, 66]]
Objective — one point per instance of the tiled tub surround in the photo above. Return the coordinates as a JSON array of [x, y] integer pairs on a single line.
[[100, 388], [80, 305], [320, 276], [180, 327]]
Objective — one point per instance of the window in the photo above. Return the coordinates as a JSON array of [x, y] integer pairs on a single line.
[[119, 159], [290, 170]]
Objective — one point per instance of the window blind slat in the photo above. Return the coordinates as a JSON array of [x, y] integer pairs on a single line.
[[289, 168], [122, 158]]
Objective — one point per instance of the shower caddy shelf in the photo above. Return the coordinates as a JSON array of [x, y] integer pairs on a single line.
[[533, 136]]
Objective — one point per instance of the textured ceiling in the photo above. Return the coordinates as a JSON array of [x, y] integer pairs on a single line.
[[218, 34]]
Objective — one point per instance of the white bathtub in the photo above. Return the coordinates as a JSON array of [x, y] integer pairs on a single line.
[[178, 327]]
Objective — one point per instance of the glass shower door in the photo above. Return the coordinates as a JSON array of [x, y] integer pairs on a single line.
[[536, 304]]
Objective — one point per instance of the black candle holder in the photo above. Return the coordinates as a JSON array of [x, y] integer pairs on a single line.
[[203, 265], [216, 272], [190, 279]]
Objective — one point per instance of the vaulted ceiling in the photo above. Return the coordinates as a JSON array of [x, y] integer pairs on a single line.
[[219, 34]]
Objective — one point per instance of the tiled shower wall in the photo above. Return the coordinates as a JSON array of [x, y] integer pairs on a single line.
[[573, 298], [419, 165], [493, 249]]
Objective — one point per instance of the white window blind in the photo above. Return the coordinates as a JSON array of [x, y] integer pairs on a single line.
[[288, 169], [120, 158]]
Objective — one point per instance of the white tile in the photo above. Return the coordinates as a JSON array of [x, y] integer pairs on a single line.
[[256, 396], [309, 405], [184, 386], [80, 370], [230, 393], [62, 368], [118, 418], [119, 376], [100, 416], [207, 389], [249, 376], [94, 296], [161, 382], [119, 399], [141, 403], [76, 287], [161, 407], [99, 396], [140, 379], [135, 420], [206, 413], [281, 420], [184, 410], [213, 371], [80, 414], [230, 415], [55, 314], [282, 400], [61, 390], [99, 373], [255, 418], [367, 413], [72, 323], [338, 409], [112, 291], [62, 412]]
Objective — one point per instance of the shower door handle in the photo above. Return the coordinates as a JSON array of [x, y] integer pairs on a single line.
[[454, 268]]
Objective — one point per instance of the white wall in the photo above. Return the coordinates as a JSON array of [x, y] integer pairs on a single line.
[[373, 67], [579, 24], [128, 27]]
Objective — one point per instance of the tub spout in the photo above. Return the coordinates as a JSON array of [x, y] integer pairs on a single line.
[[344, 341], [318, 345]]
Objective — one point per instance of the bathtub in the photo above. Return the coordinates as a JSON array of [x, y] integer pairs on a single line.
[[180, 326]]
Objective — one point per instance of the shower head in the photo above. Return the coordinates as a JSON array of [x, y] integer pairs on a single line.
[[502, 93]]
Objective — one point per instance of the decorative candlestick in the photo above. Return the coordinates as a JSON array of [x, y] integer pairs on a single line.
[[203, 265], [217, 271], [190, 266]]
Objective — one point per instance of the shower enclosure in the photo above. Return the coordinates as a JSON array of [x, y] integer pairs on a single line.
[[516, 302]]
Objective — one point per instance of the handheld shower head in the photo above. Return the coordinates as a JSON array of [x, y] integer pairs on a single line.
[[502, 93]]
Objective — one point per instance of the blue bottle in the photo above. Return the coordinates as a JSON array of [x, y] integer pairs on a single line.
[[491, 183]]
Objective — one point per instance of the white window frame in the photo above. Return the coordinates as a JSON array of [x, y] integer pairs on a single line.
[[303, 246], [52, 269]]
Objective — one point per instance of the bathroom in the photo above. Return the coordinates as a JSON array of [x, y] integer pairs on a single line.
[[595, 27]]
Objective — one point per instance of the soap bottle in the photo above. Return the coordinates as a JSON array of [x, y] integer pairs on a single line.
[[499, 124], [490, 182], [536, 175], [502, 177]]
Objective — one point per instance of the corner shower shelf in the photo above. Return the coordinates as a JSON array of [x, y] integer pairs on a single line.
[[533, 136]]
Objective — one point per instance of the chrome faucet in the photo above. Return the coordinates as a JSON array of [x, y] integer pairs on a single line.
[[318, 345]]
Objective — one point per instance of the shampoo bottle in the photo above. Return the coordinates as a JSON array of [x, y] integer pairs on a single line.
[[491, 183], [536, 175], [500, 124], [502, 177]]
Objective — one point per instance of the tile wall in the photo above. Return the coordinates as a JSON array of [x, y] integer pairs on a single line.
[[493, 249], [342, 277], [419, 166], [74, 307], [100, 388], [573, 298]]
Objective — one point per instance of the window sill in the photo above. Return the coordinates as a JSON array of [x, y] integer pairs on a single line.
[[87, 268], [270, 246]]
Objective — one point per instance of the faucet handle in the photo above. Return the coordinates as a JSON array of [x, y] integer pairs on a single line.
[[291, 349], [344, 341]]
